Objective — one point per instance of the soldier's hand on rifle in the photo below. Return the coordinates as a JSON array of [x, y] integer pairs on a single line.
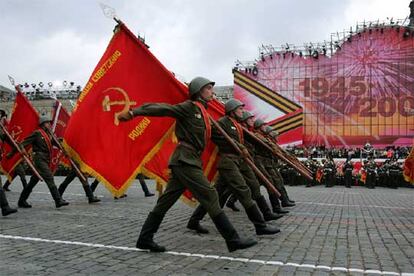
[[125, 116]]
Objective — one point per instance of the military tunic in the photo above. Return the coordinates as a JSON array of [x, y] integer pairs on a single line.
[[185, 162], [41, 147]]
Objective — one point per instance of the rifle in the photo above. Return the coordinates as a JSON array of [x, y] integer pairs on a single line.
[[279, 152], [25, 157], [77, 170], [266, 181]]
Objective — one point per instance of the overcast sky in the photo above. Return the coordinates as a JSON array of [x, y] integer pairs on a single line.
[[56, 40]]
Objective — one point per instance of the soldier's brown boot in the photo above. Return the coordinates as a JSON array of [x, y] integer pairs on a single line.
[[150, 227], [227, 231]]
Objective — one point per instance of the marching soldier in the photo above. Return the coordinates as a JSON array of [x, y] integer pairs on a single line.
[[193, 130], [4, 204], [19, 170], [347, 169], [41, 143], [329, 170], [394, 173], [371, 169], [88, 192], [264, 161], [236, 176]]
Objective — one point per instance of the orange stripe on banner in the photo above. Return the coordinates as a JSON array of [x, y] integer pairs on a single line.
[[290, 127], [288, 121], [87, 169], [263, 96], [286, 102]]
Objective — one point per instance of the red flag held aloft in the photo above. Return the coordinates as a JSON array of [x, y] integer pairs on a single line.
[[24, 120], [127, 75]]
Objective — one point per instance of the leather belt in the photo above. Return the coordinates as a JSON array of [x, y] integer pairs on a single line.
[[188, 146]]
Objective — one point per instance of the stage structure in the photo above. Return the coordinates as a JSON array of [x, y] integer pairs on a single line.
[[357, 87]]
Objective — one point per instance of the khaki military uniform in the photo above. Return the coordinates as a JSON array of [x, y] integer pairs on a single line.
[[185, 162], [41, 148]]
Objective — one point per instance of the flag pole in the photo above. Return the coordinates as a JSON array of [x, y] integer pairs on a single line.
[[74, 166], [281, 154], [26, 158]]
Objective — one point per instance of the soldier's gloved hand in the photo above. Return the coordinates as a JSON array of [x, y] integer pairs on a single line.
[[125, 116]]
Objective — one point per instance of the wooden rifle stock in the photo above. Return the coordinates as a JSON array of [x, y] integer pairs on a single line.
[[25, 157], [266, 181]]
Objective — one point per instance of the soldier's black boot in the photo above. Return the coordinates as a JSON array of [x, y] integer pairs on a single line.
[[256, 217], [144, 187], [285, 191], [150, 227], [24, 181], [196, 217], [88, 191], [6, 186], [94, 185], [22, 203], [59, 201], [231, 203], [264, 208], [227, 231], [276, 207], [285, 200], [4, 205]]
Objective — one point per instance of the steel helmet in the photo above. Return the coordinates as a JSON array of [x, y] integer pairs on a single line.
[[246, 115], [268, 129], [258, 123], [197, 84], [232, 105]]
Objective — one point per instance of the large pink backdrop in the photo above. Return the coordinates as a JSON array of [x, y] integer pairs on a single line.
[[361, 93]]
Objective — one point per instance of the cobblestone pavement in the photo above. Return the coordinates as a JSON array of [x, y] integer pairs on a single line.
[[331, 231]]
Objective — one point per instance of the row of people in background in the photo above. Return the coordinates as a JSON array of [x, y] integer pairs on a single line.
[[364, 152], [369, 173]]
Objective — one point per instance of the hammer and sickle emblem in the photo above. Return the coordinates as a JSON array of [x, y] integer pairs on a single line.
[[15, 132], [107, 103]]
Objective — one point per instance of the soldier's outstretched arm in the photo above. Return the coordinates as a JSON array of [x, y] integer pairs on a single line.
[[156, 110]]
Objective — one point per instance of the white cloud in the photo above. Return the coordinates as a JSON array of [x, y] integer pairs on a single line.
[[47, 40]]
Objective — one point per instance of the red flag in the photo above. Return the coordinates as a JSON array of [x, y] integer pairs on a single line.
[[363, 176], [408, 168], [127, 75], [319, 175], [157, 167], [24, 120], [59, 122]]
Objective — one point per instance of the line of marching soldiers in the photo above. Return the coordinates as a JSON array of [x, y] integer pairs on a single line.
[[244, 166], [386, 174], [41, 142]]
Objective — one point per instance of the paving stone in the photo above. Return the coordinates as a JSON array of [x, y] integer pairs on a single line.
[[345, 228]]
